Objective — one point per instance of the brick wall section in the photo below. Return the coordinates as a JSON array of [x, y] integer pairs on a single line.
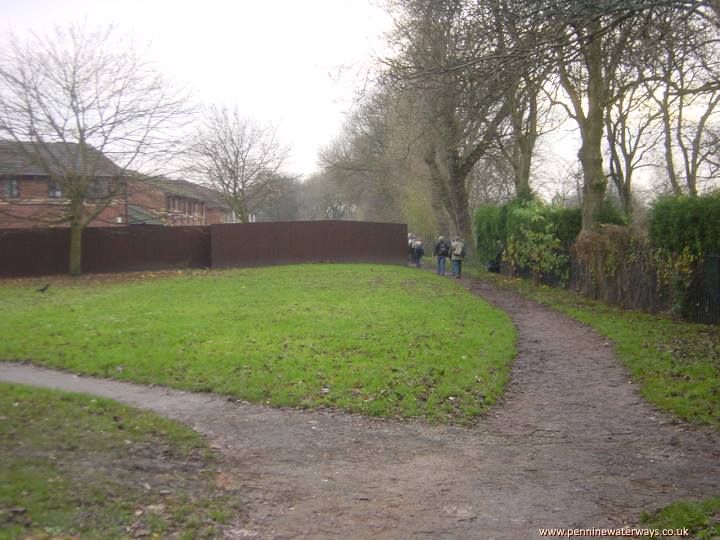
[[36, 252], [34, 208], [216, 215]]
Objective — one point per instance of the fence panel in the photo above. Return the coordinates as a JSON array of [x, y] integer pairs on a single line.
[[36, 252], [261, 244], [148, 247], [705, 294]]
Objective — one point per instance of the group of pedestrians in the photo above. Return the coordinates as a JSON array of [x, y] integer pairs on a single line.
[[443, 250]]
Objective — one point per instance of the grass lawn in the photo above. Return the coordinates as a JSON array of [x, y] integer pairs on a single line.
[[380, 340], [73, 466], [702, 518], [676, 363]]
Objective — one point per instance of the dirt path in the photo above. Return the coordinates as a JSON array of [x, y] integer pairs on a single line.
[[572, 445]]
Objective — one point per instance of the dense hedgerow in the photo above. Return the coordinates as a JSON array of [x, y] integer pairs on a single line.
[[490, 240], [496, 224], [683, 223]]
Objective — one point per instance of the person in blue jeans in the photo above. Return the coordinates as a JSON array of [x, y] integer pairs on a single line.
[[441, 251]]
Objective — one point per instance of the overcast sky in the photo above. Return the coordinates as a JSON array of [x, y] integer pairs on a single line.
[[294, 63]]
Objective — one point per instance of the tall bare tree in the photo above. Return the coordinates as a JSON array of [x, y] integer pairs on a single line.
[[683, 81], [630, 135], [360, 161], [238, 156], [85, 107], [459, 105]]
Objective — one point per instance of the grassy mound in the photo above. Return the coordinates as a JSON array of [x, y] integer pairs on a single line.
[[380, 340]]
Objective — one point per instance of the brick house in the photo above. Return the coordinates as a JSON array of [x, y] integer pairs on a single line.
[[160, 200], [30, 198]]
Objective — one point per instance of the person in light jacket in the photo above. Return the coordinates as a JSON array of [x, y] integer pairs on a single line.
[[457, 255]]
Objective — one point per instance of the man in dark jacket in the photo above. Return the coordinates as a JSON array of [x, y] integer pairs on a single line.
[[441, 251]]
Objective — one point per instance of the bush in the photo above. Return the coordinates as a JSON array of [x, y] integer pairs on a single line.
[[568, 222], [532, 244], [490, 242], [530, 235], [610, 214], [534, 237], [683, 223]]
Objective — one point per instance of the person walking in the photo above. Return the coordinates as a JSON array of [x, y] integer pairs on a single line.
[[457, 254], [418, 252], [411, 247], [441, 251]]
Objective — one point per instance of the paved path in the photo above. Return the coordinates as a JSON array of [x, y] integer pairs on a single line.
[[571, 445]]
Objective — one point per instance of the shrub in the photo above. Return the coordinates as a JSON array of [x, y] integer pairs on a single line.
[[615, 264], [610, 214], [532, 243], [683, 231], [568, 222], [680, 223], [490, 242]]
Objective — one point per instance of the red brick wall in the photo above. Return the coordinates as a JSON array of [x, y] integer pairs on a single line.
[[214, 216], [34, 208], [155, 200]]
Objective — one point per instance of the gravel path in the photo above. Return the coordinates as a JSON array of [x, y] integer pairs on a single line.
[[571, 445]]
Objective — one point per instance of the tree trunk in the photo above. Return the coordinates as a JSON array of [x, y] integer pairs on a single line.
[[522, 166], [462, 213], [77, 225], [591, 132], [76, 230], [595, 183], [440, 192], [668, 144]]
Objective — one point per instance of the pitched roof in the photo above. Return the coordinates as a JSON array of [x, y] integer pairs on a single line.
[[26, 159], [210, 197], [137, 215]]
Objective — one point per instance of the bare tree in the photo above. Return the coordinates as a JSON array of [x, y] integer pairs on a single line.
[[285, 202], [321, 199], [630, 134], [460, 109], [682, 82], [86, 108], [361, 163], [239, 157]]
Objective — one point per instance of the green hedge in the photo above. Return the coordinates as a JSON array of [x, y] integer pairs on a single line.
[[489, 237], [610, 214], [495, 224], [568, 222], [679, 222]]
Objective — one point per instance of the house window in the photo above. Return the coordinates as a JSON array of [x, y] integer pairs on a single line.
[[98, 189], [10, 188], [54, 190]]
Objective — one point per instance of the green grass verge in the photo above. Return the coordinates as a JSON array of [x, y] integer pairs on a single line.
[[702, 518], [677, 364], [380, 340], [78, 466]]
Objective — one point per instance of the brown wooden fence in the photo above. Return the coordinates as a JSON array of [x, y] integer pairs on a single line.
[[36, 252]]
